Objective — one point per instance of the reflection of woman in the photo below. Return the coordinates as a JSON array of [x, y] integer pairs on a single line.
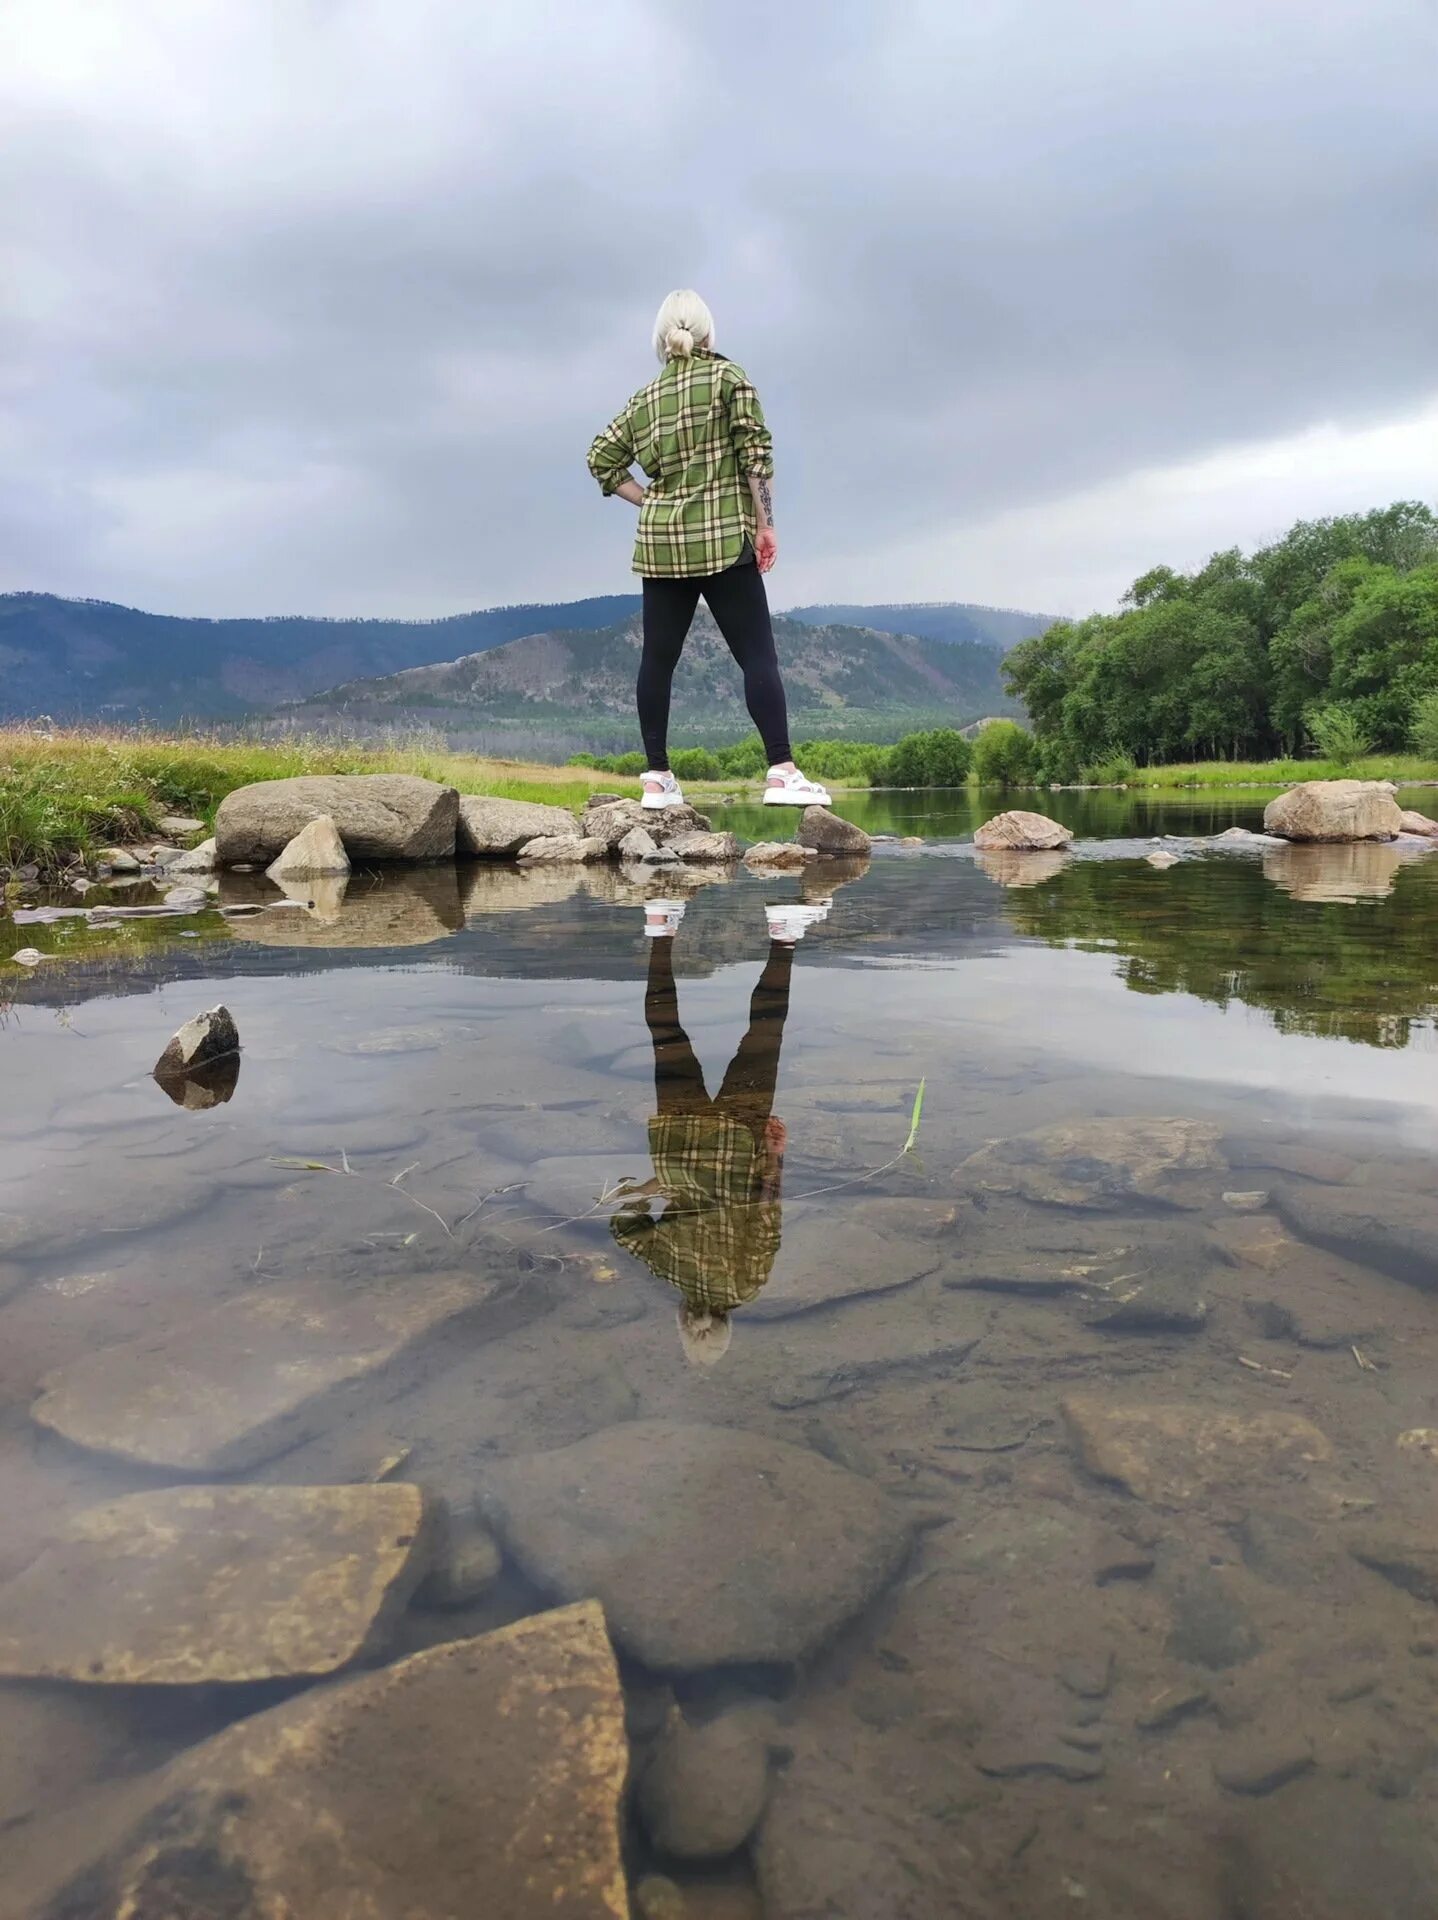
[[717, 1163], [706, 525]]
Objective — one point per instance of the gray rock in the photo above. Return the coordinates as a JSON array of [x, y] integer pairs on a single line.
[[766, 1548], [180, 825], [512, 1745], [496, 829], [776, 856], [1173, 1704], [206, 1038], [705, 846], [1210, 1626], [315, 852], [1156, 1303], [826, 832], [185, 899], [1017, 1759], [200, 859], [1335, 810], [704, 1788], [561, 848], [901, 1351], [1382, 1227], [1258, 1765], [1101, 1164], [1336, 1853], [637, 844], [1022, 832], [380, 816], [194, 1585], [1409, 1564], [609, 821], [119, 860], [466, 1562]]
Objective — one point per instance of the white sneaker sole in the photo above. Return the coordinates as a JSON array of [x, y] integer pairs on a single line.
[[652, 802], [778, 797]]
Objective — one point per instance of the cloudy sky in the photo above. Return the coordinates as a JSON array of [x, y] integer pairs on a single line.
[[314, 305]]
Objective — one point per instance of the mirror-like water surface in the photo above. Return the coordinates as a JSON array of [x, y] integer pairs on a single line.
[[1017, 1501]]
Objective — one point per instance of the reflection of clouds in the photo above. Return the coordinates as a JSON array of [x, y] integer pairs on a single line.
[[1012, 868], [1363, 870]]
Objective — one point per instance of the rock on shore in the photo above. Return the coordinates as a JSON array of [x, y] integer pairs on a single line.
[[482, 1774], [1335, 810], [497, 829], [379, 816]]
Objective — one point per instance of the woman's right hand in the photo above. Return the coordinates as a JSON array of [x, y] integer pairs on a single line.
[[766, 548]]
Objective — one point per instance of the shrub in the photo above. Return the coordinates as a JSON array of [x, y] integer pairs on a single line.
[[1005, 755], [1116, 771], [695, 763], [1424, 729], [1339, 735]]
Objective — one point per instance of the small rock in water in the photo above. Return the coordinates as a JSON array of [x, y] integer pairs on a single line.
[[1101, 1164], [1166, 1709], [316, 850], [637, 844], [1411, 1565], [179, 824], [118, 860], [1210, 1627], [1175, 1452], [209, 1036], [1259, 1766], [1016, 1760], [185, 899], [1027, 832], [770, 855], [702, 1793], [1247, 1202], [27, 956], [467, 1562], [1159, 1303], [1162, 860], [826, 832], [1116, 1557]]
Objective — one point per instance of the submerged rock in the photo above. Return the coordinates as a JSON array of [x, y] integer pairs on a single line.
[[245, 1381], [1335, 810], [1101, 1164], [1336, 1853], [1023, 832], [208, 1037], [827, 832], [703, 1790], [380, 816], [466, 1562], [316, 850], [1384, 1227], [497, 829], [484, 1771], [1210, 1626], [707, 1545], [1174, 1452], [190, 1585]]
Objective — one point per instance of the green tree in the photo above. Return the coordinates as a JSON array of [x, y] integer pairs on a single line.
[[1005, 755], [1423, 729], [1339, 734]]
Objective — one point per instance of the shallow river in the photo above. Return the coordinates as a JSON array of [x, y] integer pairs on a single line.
[[1038, 1477]]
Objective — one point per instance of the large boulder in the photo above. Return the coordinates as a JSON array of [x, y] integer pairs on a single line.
[[245, 1381], [1335, 810], [481, 1775], [191, 1585], [1022, 832], [826, 832], [497, 829], [610, 820], [767, 1548], [380, 816]]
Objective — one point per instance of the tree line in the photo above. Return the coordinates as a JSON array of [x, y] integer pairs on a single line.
[[1002, 754], [1327, 639]]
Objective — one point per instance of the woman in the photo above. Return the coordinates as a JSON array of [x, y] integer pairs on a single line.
[[706, 526]]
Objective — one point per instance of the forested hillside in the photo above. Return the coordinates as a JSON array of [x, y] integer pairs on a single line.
[[1328, 638], [1000, 627]]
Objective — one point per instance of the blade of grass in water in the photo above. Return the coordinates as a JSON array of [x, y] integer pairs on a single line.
[[915, 1118]]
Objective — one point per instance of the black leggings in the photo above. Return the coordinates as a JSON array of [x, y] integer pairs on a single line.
[[747, 1092], [737, 600]]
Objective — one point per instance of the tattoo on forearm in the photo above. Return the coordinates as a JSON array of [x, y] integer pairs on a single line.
[[766, 501]]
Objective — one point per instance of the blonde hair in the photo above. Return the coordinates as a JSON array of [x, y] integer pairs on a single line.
[[704, 1336], [682, 324]]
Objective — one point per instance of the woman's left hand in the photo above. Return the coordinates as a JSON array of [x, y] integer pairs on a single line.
[[766, 548]]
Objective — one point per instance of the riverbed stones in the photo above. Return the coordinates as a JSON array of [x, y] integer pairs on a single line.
[[210, 1036], [705, 846], [192, 1585], [380, 816], [465, 1562], [243, 1382], [776, 856], [610, 820], [828, 832], [1021, 831], [704, 1787], [1384, 1227], [1174, 1453], [766, 1548], [200, 859], [563, 849], [1099, 1165], [493, 829], [1411, 1565], [1330, 1850], [316, 851], [1211, 1627], [1335, 810], [486, 1770], [1262, 1763], [179, 825]]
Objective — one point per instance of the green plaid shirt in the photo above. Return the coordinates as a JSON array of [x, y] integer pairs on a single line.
[[698, 432]]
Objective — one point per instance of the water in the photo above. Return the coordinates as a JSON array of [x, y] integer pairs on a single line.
[[1133, 1351]]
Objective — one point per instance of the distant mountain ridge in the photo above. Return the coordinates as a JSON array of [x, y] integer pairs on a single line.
[[947, 620], [841, 681], [97, 660]]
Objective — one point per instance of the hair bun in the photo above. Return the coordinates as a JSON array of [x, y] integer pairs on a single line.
[[680, 341]]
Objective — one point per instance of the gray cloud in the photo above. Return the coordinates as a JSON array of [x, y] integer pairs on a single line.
[[315, 304]]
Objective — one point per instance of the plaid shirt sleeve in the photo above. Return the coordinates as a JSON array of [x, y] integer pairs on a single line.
[[612, 454], [753, 443]]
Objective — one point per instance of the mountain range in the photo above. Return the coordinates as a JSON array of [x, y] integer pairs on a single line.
[[95, 660], [842, 681]]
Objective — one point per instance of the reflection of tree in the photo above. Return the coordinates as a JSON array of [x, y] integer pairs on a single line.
[[1221, 931]]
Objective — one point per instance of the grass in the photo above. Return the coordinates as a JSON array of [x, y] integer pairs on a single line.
[[1405, 768], [67, 792]]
